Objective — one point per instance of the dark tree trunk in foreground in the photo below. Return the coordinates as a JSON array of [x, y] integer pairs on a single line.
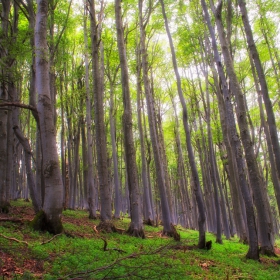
[[50, 219], [136, 225], [195, 177], [4, 200]]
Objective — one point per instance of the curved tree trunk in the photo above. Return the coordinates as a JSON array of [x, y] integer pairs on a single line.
[[195, 177], [265, 230], [253, 252], [52, 206], [263, 85]]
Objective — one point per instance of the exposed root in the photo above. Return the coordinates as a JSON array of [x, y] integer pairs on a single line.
[[172, 233], [148, 222], [106, 226], [5, 207], [136, 232], [267, 252], [41, 223]]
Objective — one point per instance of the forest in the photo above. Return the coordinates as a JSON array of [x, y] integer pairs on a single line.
[[92, 119]]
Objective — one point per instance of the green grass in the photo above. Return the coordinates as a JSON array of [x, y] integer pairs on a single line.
[[80, 254]]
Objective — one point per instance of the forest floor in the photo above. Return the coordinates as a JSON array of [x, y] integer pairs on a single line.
[[80, 254]]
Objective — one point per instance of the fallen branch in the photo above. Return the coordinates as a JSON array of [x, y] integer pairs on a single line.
[[14, 239], [48, 241], [114, 263], [113, 249], [11, 220]]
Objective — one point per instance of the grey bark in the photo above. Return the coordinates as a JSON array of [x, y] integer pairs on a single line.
[[161, 184], [195, 177], [263, 85], [101, 143], [136, 226], [90, 179], [253, 252], [148, 211], [52, 206]]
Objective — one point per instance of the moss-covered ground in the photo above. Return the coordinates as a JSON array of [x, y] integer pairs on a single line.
[[80, 254]]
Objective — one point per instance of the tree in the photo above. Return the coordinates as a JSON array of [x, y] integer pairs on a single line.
[[255, 177], [136, 225], [101, 143], [50, 217], [195, 177]]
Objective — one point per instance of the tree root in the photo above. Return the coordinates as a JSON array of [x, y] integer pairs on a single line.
[[148, 222], [267, 252], [136, 232], [105, 226], [172, 233]]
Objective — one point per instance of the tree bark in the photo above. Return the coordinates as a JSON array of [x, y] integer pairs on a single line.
[[265, 230], [136, 225], [195, 177], [52, 207], [101, 142], [253, 252], [91, 190]]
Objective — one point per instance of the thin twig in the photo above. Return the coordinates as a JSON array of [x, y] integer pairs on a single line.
[[48, 241], [14, 239]]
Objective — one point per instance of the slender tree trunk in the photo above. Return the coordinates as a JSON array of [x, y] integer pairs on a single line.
[[168, 228], [253, 252], [101, 143], [265, 230], [263, 85], [148, 213], [195, 177], [136, 226], [114, 155], [90, 180]]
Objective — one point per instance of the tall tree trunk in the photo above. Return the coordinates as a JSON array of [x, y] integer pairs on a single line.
[[263, 85], [136, 226], [195, 177], [4, 201], [114, 155], [253, 252], [90, 180], [168, 228], [52, 207], [148, 213], [265, 230], [101, 142]]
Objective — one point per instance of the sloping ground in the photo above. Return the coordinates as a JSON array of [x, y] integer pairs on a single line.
[[85, 253]]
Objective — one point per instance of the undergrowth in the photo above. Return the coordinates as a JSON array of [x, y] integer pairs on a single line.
[[80, 254]]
